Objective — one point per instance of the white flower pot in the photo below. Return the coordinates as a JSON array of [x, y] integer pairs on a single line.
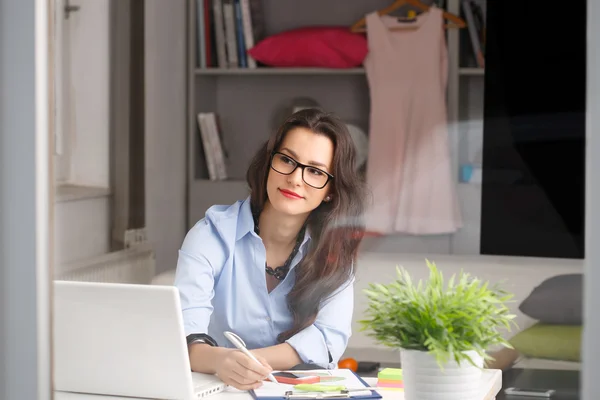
[[424, 379]]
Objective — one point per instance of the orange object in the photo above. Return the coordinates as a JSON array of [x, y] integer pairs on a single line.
[[348, 363]]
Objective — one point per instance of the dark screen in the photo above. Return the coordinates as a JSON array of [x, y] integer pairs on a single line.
[[534, 129]]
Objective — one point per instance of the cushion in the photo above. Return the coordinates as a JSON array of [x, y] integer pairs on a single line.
[[325, 47], [557, 300], [553, 342]]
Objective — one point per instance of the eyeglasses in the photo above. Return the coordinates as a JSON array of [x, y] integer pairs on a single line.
[[286, 165]]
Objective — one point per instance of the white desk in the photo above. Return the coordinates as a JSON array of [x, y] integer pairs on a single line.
[[229, 394], [234, 394]]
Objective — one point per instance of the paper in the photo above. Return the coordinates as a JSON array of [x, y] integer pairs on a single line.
[[333, 377]]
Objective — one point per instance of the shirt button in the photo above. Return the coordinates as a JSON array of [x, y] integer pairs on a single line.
[[267, 319]]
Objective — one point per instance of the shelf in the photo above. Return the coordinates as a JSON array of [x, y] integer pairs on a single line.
[[232, 181], [471, 71], [70, 192], [307, 71], [280, 71]]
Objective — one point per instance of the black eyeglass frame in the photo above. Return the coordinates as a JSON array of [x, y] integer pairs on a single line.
[[303, 166]]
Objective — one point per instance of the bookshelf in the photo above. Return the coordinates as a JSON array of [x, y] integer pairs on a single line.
[[249, 101]]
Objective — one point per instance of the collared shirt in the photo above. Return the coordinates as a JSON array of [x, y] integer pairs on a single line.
[[222, 285]]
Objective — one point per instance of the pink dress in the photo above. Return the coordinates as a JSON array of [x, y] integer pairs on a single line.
[[409, 168]]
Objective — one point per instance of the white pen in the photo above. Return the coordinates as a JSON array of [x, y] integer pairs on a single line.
[[241, 345]]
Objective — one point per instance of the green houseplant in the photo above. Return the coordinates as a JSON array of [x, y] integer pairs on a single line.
[[450, 324]]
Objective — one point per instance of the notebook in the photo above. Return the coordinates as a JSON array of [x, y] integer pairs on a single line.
[[359, 389]]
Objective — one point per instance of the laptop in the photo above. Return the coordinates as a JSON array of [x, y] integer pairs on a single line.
[[123, 340]]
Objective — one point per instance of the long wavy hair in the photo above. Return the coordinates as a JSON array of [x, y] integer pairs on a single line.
[[336, 227]]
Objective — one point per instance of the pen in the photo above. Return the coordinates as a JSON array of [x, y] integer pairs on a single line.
[[239, 343]]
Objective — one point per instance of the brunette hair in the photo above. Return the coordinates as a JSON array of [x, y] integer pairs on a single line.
[[336, 226]]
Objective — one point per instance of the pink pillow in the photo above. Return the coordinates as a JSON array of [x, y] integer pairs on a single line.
[[326, 47]]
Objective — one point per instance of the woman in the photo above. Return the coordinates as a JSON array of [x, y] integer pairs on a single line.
[[277, 268]]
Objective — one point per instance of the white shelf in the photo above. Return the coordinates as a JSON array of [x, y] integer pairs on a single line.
[[307, 71], [70, 192], [280, 71], [471, 71]]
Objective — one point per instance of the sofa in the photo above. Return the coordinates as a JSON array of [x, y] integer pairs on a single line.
[[518, 275]]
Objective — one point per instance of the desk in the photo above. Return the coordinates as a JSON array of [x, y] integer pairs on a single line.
[[234, 394], [565, 382]]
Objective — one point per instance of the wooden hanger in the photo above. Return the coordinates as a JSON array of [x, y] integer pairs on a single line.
[[457, 22]]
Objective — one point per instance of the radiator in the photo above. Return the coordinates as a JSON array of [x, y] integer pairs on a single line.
[[132, 265]]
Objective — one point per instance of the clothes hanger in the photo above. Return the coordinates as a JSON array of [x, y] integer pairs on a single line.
[[456, 22]]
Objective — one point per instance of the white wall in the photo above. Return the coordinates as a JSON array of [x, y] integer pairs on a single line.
[[91, 87], [82, 216], [165, 125], [85, 90], [82, 225]]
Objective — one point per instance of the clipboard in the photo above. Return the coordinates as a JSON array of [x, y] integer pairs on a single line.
[[288, 394]]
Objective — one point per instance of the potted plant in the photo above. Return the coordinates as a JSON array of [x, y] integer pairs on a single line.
[[442, 330]]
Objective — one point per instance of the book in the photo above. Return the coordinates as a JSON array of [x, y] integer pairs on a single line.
[[230, 33], [472, 28], [207, 147], [239, 30], [212, 145], [200, 35], [217, 145], [219, 33], [248, 31]]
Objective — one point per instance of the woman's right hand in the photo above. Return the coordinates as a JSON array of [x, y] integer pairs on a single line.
[[240, 371]]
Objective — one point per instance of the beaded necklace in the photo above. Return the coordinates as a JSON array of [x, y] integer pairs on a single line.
[[281, 272]]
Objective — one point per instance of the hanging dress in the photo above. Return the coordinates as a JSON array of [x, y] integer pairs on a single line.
[[409, 167]]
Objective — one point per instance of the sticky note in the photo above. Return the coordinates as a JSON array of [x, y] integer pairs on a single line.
[[390, 374], [312, 387], [387, 384]]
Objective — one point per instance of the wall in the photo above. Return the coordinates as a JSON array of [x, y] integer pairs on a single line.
[[82, 224], [90, 75], [165, 126], [84, 89], [82, 208]]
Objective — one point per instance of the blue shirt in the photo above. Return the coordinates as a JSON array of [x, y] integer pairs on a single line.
[[222, 285]]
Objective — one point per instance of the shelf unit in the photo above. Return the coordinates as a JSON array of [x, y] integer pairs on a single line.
[[249, 101]]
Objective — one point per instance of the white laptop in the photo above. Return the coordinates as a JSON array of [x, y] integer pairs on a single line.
[[123, 340]]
